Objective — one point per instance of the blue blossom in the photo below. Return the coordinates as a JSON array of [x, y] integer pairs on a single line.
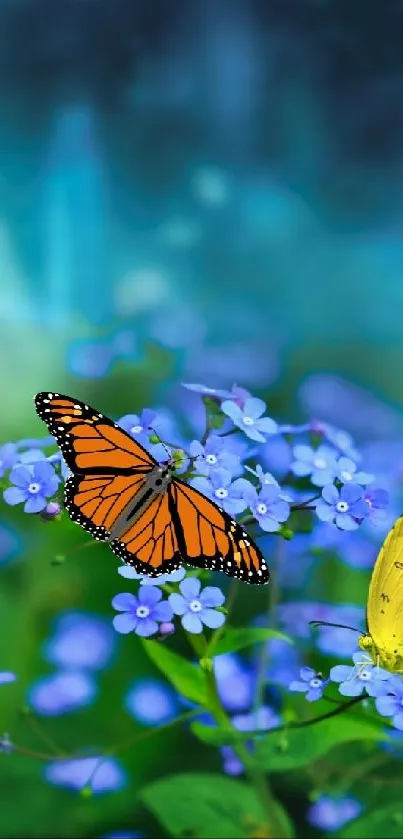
[[34, 454], [364, 676], [99, 773], [332, 813], [33, 485], [215, 454], [81, 641], [283, 661], [249, 418], [346, 472], [122, 834], [7, 676], [151, 702], [8, 457], [6, 746], [389, 700], [377, 500], [311, 683], [61, 693], [232, 765], [238, 394], [268, 506], [320, 464], [130, 574], [138, 426], [338, 438], [345, 507], [141, 614], [197, 607], [264, 718], [226, 493], [235, 682]]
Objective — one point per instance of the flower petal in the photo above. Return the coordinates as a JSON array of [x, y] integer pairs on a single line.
[[15, 495], [162, 611], [254, 407], [232, 410], [212, 596], [211, 618], [21, 476], [125, 623], [192, 623], [267, 425], [178, 603], [304, 453], [341, 672], [146, 627], [129, 572], [386, 705], [330, 494], [35, 504], [346, 522], [125, 602], [351, 688], [149, 595], [190, 588], [307, 673], [324, 511], [299, 687]]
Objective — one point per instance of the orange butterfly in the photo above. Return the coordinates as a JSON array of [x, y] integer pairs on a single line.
[[121, 495]]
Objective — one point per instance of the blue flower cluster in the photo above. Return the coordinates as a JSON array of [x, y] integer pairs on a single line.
[[364, 677]]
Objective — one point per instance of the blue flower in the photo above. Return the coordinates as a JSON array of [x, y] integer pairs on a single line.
[[363, 676], [130, 574], [331, 813], [33, 485], [320, 464], [377, 500], [62, 693], [99, 773], [312, 684], [8, 457], [232, 765], [389, 700], [6, 746], [249, 418], [346, 507], [151, 702], [226, 493], [138, 426], [141, 614], [268, 506], [6, 676], [81, 640], [346, 472], [263, 719], [235, 682], [214, 455], [197, 607], [208, 391]]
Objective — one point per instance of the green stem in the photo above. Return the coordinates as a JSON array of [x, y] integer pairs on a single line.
[[252, 767]]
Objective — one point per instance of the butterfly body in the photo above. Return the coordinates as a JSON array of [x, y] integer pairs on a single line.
[[150, 518], [384, 639]]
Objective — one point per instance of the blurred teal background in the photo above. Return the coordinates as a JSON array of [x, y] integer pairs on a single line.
[[202, 192]]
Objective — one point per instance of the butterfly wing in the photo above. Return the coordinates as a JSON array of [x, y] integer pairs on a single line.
[[385, 596], [209, 538], [150, 544], [90, 442], [109, 467]]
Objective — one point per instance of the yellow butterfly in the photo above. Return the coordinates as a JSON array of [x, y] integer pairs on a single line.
[[384, 638]]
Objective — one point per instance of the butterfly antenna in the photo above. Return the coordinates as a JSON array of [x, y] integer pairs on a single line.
[[317, 624], [161, 441]]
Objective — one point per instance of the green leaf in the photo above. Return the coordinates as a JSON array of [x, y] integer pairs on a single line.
[[300, 746], [187, 678], [238, 639], [385, 822], [216, 418], [210, 806], [293, 748]]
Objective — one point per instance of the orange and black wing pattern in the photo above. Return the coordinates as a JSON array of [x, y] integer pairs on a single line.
[[150, 544], [109, 468], [89, 441], [209, 538]]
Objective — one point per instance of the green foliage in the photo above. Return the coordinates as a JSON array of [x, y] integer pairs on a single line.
[[234, 639], [209, 806], [387, 821], [294, 748], [186, 677]]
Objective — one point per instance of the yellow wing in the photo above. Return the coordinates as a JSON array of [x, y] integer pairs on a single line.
[[385, 602]]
